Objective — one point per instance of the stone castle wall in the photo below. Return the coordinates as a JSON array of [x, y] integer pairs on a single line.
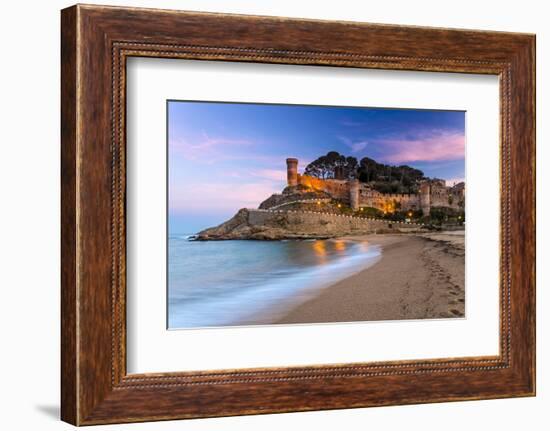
[[277, 225], [432, 193], [441, 196], [326, 224], [363, 196], [338, 189], [389, 201]]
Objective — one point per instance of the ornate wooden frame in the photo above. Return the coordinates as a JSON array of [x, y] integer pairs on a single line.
[[96, 41]]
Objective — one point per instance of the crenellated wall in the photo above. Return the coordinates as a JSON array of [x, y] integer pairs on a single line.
[[361, 195], [432, 193], [338, 189], [284, 224], [325, 224]]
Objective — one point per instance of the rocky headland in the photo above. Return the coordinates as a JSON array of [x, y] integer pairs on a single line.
[[300, 224], [330, 201]]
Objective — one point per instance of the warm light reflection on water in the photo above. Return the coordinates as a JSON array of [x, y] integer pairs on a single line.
[[339, 245], [218, 283], [320, 249]]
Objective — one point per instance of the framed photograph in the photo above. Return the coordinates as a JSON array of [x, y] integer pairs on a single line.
[[264, 215], [317, 244]]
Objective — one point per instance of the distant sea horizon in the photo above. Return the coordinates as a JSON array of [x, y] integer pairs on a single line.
[[180, 225]]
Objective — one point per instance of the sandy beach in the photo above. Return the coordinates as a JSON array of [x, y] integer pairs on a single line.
[[418, 277]]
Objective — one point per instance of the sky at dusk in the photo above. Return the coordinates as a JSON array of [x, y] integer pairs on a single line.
[[226, 156]]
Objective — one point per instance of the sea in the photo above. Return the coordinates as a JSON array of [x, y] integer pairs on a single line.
[[235, 283]]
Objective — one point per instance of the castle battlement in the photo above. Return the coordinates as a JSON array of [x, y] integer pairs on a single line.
[[432, 193]]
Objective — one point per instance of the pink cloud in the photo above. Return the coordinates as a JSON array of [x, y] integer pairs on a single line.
[[206, 146], [211, 150], [434, 146], [355, 146], [219, 196], [270, 174]]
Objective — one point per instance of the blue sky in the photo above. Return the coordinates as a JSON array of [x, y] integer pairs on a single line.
[[226, 156]]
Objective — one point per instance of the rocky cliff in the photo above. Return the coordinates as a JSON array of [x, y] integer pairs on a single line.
[[292, 194], [277, 225]]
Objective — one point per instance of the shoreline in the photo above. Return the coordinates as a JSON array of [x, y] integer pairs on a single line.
[[419, 276]]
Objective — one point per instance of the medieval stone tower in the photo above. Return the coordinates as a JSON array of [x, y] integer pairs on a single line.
[[425, 198], [292, 172], [354, 194]]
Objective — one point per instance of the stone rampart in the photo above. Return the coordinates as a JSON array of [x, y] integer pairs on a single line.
[[326, 224]]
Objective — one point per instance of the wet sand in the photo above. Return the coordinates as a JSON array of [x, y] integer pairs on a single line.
[[418, 277]]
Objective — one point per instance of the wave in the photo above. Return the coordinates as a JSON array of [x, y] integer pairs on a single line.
[[182, 237], [272, 295]]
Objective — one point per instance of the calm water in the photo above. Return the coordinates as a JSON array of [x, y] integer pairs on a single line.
[[219, 283]]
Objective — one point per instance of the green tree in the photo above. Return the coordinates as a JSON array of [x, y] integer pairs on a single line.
[[325, 166], [388, 178]]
